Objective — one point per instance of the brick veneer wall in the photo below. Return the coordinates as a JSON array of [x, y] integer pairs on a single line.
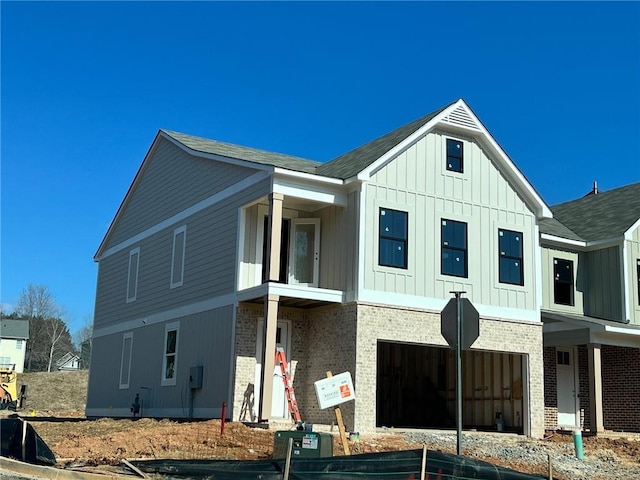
[[621, 388], [550, 389], [377, 322]]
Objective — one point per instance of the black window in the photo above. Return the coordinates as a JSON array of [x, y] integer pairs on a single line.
[[454, 248], [563, 358], [454, 155], [392, 245], [639, 282], [510, 257], [563, 281]]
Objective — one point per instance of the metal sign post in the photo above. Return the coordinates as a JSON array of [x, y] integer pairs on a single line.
[[460, 327], [458, 372]]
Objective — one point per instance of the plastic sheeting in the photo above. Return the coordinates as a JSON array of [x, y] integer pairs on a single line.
[[400, 465], [35, 451]]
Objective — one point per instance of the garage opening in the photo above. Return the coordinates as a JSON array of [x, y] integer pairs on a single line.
[[416, 388]]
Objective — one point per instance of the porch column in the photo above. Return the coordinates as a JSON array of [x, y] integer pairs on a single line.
[[268, 355], [595, 388], [274, 234]]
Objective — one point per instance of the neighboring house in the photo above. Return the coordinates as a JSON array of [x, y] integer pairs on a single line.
[[591, 311], [14, 335], [69, 362], [220, 253]]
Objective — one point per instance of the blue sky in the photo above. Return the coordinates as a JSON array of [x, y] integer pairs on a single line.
[[86, 86]]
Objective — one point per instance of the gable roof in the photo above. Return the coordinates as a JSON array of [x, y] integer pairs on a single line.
[[238, 152], [551, 226], [14, 328], [601, 216], [351, 163]]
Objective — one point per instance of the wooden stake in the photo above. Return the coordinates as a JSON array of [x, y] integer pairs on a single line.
[[550, 468], [424, 462], [343, 433], [287, 463]]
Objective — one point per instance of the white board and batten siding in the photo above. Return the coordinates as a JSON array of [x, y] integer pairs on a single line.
[[633, 272], [417, 182], [549, 254]]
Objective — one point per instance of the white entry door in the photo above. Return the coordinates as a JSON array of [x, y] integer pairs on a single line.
[[568, 401], [304, 251], [279, 407]]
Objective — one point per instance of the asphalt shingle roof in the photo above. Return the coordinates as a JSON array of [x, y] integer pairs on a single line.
[[600, 216], [239, 152], [551, 226], [14, 328], [342, 167]]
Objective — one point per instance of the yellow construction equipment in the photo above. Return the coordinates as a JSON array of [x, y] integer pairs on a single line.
[[9, 397]]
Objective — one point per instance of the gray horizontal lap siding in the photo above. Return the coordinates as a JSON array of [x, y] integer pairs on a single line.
[[209, 270], [204, 339], [172, 181]]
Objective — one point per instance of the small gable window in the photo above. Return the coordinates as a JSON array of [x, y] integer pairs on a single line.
[[455, 158], [454, 248], [510, 257], [563, 281], [392, 242]]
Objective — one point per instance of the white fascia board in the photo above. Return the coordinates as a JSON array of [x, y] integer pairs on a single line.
[[161, 317], [622, 330], [625, 294], [492, 312], [537, 255], [562, 241], [127, 196], [181, 216], [329, 194], [521, 184], [306, 293], [605, 242], [219, 158], [628, 235], [308, 176]]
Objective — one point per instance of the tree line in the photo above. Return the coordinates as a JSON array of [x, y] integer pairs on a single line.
[[49, 336]]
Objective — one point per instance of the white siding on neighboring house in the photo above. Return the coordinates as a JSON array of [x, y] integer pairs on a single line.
[[12, 351], [633, 271], [417, 182]]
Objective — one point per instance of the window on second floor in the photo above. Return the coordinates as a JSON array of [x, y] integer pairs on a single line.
[[177, 258], [454, 248], [510, 257], [638, 271], [132, 279], [563, 281], [455, 160], [19, 344], [393, 238]]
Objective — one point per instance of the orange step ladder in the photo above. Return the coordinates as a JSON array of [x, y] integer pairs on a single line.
[[281, 359]]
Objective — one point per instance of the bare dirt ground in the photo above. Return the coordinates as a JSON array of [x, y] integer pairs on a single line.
[[76, 440]]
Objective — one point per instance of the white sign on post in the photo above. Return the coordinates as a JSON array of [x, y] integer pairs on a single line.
[[334, 390]]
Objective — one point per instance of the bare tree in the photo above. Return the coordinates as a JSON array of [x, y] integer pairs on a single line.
[[49, 336]]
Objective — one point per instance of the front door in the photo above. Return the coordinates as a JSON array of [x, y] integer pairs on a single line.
[[279, 407], [566, 363]]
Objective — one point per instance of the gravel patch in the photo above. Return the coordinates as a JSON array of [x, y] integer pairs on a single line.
[[598, 465]]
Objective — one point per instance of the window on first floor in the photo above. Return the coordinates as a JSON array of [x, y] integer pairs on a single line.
[[455, 160], [125, 359], [170, 357], [563, 281], [393, 238], [510, 257], [563, 358], [454, 248]]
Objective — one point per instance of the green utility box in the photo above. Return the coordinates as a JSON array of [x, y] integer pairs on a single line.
[[305, 444]]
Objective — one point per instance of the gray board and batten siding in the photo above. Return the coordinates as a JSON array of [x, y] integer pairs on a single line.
[[604, 294]]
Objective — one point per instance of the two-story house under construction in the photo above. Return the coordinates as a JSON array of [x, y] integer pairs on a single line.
[[219, 254], [591, 311]]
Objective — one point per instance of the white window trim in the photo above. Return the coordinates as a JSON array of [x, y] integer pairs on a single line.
[[472, 232], [135, 251], [19, 344], [176, 232], [409, 209], [443, 162], [128, 335], [164, 381], [528, 256]]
